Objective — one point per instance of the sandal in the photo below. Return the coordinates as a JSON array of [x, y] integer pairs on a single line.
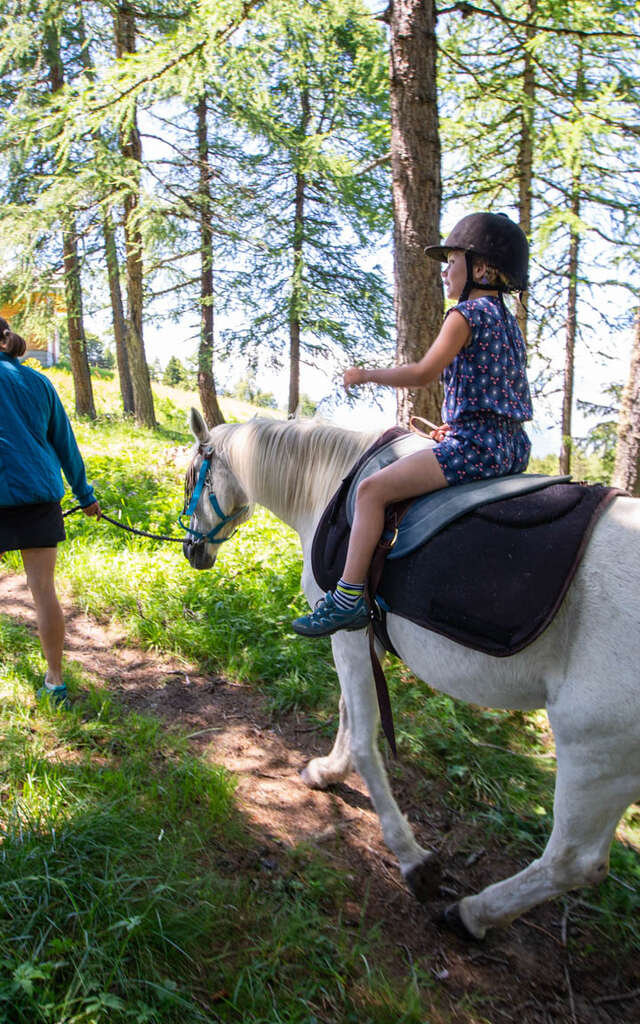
[[56, 694]]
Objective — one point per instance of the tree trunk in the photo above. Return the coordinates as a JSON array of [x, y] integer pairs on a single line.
[[525, 148], [84, 404], [296, 299], [131, 148], [117, 313], [571, 325], [415, 166], [626, 473], [206, 381], [77, 342], [111, 255]]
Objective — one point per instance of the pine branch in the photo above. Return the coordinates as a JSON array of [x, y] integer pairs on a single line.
[[220, 35], [374, 163], [467, 9]]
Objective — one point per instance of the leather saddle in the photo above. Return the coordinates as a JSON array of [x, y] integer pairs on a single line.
[[486, 564]]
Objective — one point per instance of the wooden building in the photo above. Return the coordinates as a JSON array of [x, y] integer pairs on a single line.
[[42, 337]]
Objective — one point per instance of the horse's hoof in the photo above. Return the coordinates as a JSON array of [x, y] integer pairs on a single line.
[[315, 776], [451, 919], [424, 879], [310, 779]]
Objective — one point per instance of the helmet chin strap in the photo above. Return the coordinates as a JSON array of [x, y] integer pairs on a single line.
[[469, 283]]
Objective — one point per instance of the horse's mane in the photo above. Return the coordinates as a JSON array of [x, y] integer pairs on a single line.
[[292, 466]]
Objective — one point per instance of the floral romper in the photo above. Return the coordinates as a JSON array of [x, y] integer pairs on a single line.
[[486, 397]]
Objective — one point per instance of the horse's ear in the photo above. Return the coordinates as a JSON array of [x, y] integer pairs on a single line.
[[198, 426]]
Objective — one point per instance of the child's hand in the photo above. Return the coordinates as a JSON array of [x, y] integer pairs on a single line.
[[440, 433], [353, 376]]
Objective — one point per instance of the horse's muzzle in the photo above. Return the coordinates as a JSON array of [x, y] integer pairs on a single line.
[[198, 554]]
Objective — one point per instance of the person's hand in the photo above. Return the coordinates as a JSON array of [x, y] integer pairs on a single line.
[[440, 433], [353, 376], [93, 509]]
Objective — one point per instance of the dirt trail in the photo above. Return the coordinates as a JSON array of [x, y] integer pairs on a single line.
[[524, 974]]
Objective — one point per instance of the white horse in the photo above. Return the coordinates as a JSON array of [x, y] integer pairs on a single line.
[[585, 668]]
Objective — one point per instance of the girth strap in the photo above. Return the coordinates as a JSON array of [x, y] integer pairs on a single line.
[[393, 517]]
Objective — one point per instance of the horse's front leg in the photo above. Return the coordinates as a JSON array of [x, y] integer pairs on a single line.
[[326, 771], [420, 869]]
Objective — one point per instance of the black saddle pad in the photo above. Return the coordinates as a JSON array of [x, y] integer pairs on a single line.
[[493, 579]]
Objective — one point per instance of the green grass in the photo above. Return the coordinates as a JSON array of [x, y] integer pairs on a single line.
[[130, 890], [119, 895]]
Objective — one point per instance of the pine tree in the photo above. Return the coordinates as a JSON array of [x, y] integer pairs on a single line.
[[206, 381], [110, 247], [131, 149], [626, 473], [307, 86], [35, 80]]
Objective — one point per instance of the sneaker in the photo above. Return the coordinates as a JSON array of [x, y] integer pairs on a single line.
[[327, 618], [56, 694]]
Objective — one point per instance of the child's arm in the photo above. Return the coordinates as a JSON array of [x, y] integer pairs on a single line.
[[455, 333]]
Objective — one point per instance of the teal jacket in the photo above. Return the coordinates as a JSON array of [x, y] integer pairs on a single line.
[[36, 440]]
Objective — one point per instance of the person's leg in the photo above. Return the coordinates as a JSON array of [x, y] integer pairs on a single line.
[[415, 474], [345, 607], [39, 564]]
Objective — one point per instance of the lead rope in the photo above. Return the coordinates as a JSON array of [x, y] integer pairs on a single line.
[[123, 526]]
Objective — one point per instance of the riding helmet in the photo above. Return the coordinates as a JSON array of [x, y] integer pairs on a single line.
[[496, 238]]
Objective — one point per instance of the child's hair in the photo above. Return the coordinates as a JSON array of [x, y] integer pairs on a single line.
[[493, 278], [10, 342]]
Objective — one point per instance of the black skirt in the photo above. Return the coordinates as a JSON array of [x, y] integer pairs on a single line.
[[31, 526]]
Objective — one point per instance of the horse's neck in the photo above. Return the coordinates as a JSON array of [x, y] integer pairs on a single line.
[[293, 469]]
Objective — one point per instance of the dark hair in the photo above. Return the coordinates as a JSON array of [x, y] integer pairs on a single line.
[[11, 343]]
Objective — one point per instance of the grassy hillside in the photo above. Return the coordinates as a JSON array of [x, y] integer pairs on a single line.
[[116, 902]]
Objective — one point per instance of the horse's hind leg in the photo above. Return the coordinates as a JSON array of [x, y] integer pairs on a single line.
[[325, 771], [587, 807], [420, 868]]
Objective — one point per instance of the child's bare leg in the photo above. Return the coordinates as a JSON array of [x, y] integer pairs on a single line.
[[345, 608], [407, 478]]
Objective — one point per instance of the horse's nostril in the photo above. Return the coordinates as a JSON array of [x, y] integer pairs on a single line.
[[197, 554]]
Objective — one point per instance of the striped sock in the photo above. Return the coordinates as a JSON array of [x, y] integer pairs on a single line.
[[346, 595]]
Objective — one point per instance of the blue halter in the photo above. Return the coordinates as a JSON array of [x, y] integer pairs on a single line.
[[211, 536]]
